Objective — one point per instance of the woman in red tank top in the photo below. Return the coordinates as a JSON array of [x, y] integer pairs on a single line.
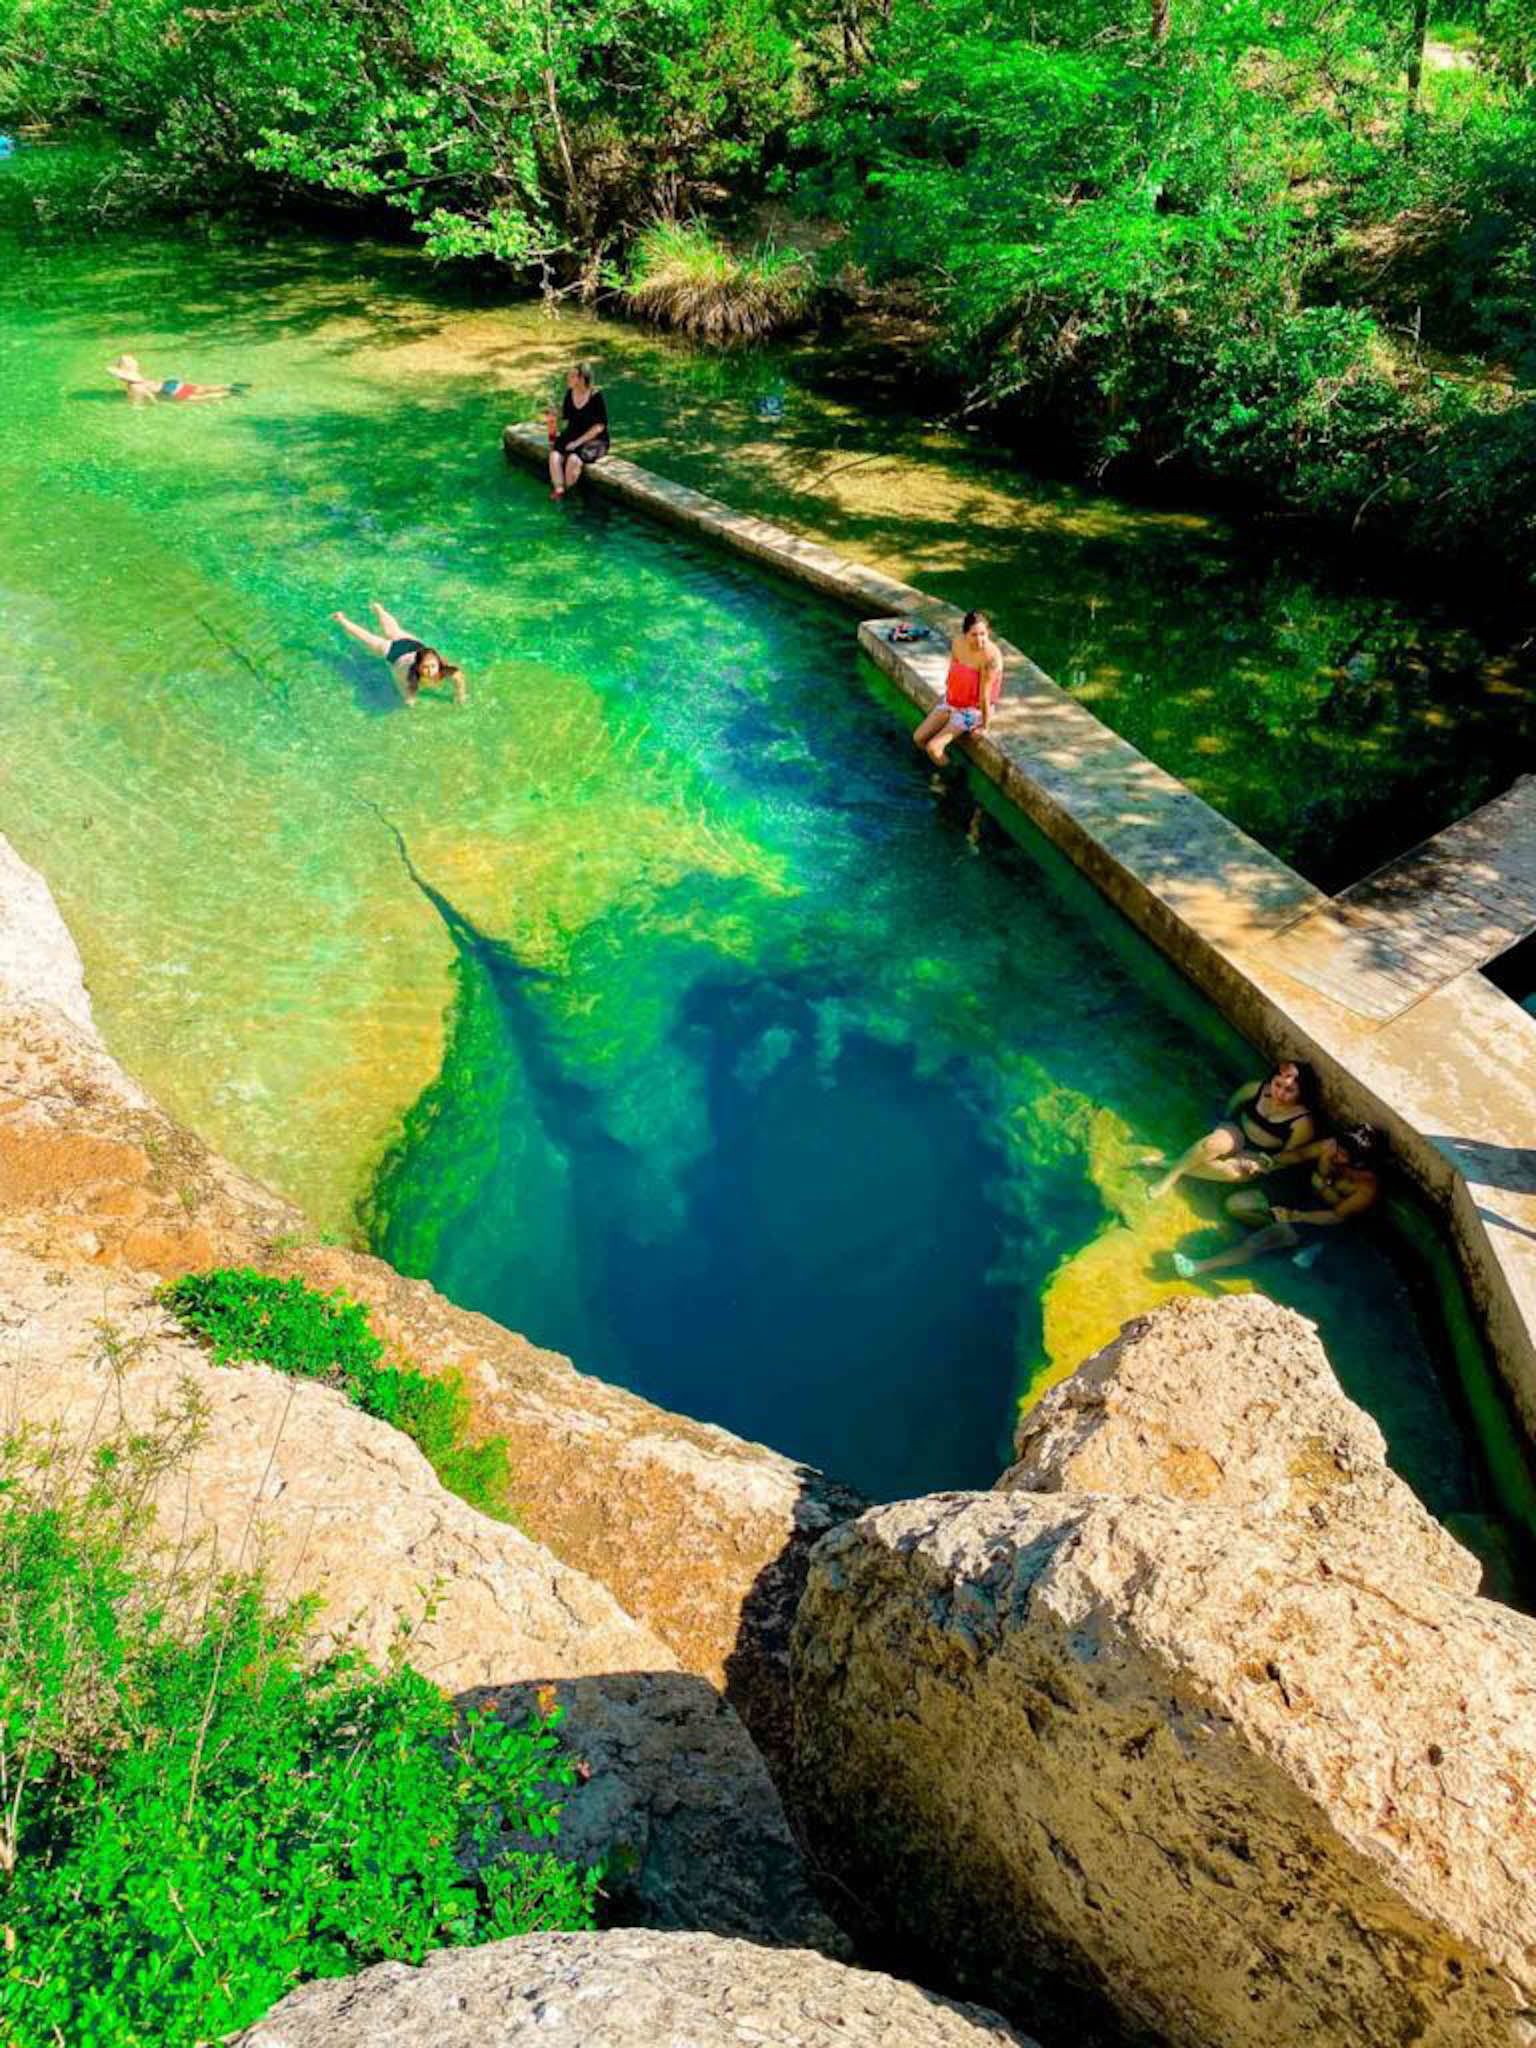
[[971, 689]]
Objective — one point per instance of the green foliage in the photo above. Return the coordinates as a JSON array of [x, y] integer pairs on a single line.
[[685, 278], [255, 1317], [1216, 234], [527, 134], [193, 1820]]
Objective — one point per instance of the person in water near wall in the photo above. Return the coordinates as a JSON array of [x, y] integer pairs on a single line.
[[582, 436], [139, 388], [1345, 1184], [412, 662], [971, 689], [1265, 1121]]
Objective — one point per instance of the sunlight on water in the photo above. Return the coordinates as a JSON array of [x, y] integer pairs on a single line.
[[651, 1002]]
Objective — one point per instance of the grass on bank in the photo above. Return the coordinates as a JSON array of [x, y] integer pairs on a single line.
[[250, 1317], [681, 277], [194, 1818]]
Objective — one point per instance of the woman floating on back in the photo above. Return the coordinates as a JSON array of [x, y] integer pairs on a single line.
[[412, 662], [582, 437], [971, 689], [139, 388]]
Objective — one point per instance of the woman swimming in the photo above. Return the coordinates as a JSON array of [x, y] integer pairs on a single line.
[[1345, 1183], [1266, 1121], [583, 436], [412, 662], [971, 689], [140, 389]]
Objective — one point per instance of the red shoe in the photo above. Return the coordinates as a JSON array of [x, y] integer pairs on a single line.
[[557, 494]]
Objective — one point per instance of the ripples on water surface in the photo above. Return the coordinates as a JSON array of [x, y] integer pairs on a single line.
[[727, 1062]]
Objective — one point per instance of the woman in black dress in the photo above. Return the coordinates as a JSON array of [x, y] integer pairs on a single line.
[[583, 435]]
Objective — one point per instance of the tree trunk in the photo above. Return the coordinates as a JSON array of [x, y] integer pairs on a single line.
[[1162, 20], [1416, 53]]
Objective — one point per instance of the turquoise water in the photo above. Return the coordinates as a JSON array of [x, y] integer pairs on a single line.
[[653, 1002]]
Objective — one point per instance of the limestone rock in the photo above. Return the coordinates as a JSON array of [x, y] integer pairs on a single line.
[[677, 1804], [39, 961], [291, 1476], [701, 1535], [1230, 1402], [622, 1990], [1234, 1780]]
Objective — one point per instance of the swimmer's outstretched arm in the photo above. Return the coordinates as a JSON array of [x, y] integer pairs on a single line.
[[374, 642]]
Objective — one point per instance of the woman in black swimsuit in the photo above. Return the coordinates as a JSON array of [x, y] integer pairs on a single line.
[[583, 436], [1267, 1121], [411, 661]]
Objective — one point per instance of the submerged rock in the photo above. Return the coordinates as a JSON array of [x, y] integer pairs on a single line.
[[623, 1990], [1241, 1760]]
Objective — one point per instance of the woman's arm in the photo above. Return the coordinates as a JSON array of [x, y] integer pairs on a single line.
[[991, 684], [1241, 1097], [1351, 1205], [1297, 1148]]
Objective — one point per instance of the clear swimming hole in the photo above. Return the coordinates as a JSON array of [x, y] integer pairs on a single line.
[[653, 1003]]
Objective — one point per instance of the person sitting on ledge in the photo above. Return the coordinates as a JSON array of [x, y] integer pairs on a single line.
[[583, 436], [1345, 1182], [971, 689], [1267, 1123], [411, 661], [142, 389]]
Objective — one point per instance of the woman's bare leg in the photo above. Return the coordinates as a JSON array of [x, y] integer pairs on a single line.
[[573, 466], [1203, 1161], [940, 744], [1274, 1237], [934, 722], [372, 641], [557, 471], [388, 623]]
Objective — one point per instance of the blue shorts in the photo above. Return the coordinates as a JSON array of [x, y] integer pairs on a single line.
[[963, 720]]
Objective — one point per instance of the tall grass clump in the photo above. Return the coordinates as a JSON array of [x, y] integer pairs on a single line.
[[192, 1818], [682, 277], [253, 1317]]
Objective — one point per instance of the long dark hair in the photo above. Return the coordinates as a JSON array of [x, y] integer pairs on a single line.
[[446, 670], [972, 620]]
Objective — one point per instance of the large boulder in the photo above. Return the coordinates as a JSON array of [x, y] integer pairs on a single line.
[[622, 1990], [330, 1502], [703, 1536], [1230, 1403], [1222, 1775]]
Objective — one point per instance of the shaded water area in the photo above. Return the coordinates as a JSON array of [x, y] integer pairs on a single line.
[[652, 1002]]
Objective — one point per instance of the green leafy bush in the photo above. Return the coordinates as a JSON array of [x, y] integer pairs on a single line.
[[193, 1820], [250, 1316], [683, 277]]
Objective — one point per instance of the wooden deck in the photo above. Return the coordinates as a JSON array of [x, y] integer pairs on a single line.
[[1455, 902]]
